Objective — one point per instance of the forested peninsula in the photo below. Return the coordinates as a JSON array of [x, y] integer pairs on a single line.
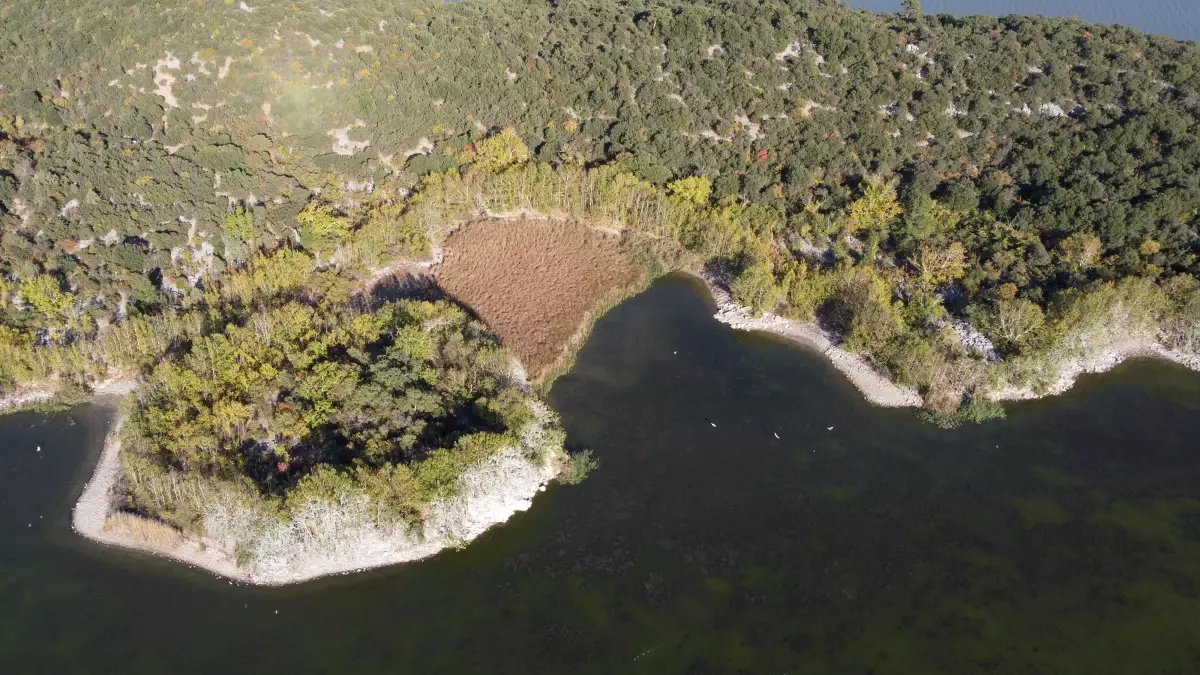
[[293, 228]]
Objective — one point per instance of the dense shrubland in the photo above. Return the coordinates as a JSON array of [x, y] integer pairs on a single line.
[[888, 175], [294, 401], [885, 305]]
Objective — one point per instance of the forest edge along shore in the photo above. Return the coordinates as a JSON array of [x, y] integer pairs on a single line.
[[956, 211]]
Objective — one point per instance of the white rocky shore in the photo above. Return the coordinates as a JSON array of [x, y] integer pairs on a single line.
[[874, 385], [41, 392], [1071, 368], [25, 396], [1082, 359], [328, 537]]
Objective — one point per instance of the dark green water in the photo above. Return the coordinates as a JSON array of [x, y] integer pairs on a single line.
[[1063, 540]]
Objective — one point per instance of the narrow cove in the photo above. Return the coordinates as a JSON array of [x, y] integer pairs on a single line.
[[1064, 539]]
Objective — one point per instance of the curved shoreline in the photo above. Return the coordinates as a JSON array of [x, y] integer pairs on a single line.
[[876, 387], [1073, 368], [487, 498], [96, 501], [25, 396], [880, 390], [490, 493]]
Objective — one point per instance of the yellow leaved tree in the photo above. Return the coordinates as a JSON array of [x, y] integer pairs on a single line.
[[498, 152], [877, 206], [1080, 251]]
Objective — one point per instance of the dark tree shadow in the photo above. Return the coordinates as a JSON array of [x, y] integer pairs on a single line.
[[406, 286], [410, 286]]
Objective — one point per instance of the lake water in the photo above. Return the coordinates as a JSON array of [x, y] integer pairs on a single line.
[[1063, 540], [1177, 18]]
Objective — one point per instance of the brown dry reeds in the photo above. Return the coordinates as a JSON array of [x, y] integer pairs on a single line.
[[152, 534], [538, 284]]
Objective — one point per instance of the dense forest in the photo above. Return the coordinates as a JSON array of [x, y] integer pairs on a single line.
[[300, 403], [180, 181]]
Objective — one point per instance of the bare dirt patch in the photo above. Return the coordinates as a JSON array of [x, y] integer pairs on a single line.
[[539, 284]]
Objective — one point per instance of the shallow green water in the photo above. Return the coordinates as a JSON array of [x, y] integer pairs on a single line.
[[1063, 540]]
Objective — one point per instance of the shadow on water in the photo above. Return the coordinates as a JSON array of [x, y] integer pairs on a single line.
[[1063, 540]]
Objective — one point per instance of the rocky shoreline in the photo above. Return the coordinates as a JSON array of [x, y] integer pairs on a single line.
[[42, 392], [328, 538], [25, 396], [341, 537], [880, 390], [1073, 368], [874, 385]]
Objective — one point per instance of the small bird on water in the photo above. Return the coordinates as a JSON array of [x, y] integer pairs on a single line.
[[776, 435], [711, 422]]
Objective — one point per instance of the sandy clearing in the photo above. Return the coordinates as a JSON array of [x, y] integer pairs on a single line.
[[342, 145], [164, 81]]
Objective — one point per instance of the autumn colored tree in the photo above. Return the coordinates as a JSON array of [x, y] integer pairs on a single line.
[[876, 208], [497, 152]]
